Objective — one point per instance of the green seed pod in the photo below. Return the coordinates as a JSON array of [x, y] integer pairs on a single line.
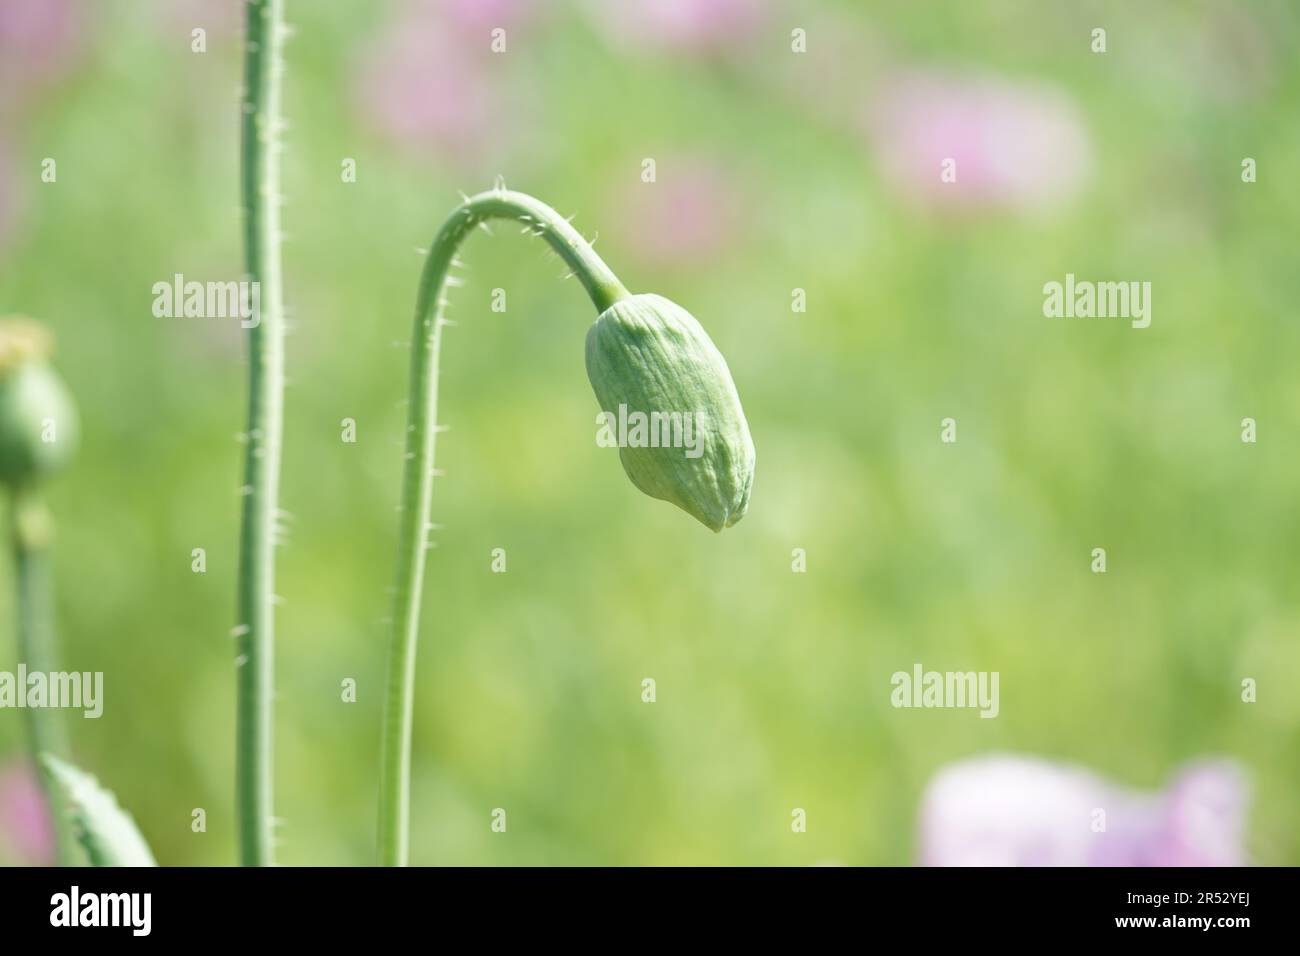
[[38, 421], [671, 407]]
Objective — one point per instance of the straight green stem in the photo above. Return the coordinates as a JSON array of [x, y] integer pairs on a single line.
[[34, 585], [604, 290], [260, 189]]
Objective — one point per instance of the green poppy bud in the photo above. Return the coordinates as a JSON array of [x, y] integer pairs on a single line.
[[38, 422], [669, 404]]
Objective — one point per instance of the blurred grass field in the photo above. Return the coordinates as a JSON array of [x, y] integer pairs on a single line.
[[772, 687]]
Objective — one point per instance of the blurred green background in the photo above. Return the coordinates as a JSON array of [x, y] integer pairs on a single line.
[[772, 173]]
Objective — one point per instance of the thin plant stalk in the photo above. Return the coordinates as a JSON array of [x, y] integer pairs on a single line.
[[604, 289], [260, 189], [34, 583]]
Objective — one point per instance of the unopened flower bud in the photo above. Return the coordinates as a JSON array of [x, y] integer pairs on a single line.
[[653, 366], [38, 422]]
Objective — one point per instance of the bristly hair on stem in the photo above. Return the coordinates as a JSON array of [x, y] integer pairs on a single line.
[[260, 189], [643, 352], [604, 290]]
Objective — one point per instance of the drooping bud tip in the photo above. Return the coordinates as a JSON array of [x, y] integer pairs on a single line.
[[669, 404]]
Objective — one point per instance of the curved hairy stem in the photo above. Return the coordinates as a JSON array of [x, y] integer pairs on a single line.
[[417, 479], [36, 648], [260, 188]]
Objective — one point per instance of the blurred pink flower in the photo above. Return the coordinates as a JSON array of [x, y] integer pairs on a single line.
[[429, 81], [24, 821], [220, 18], [682, 26], [684, 217], [39, 42], [426, 92], [1019, 811], [1014, 145], [469, 16]]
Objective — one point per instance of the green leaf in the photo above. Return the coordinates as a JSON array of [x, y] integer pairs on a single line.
[[104, 829]]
